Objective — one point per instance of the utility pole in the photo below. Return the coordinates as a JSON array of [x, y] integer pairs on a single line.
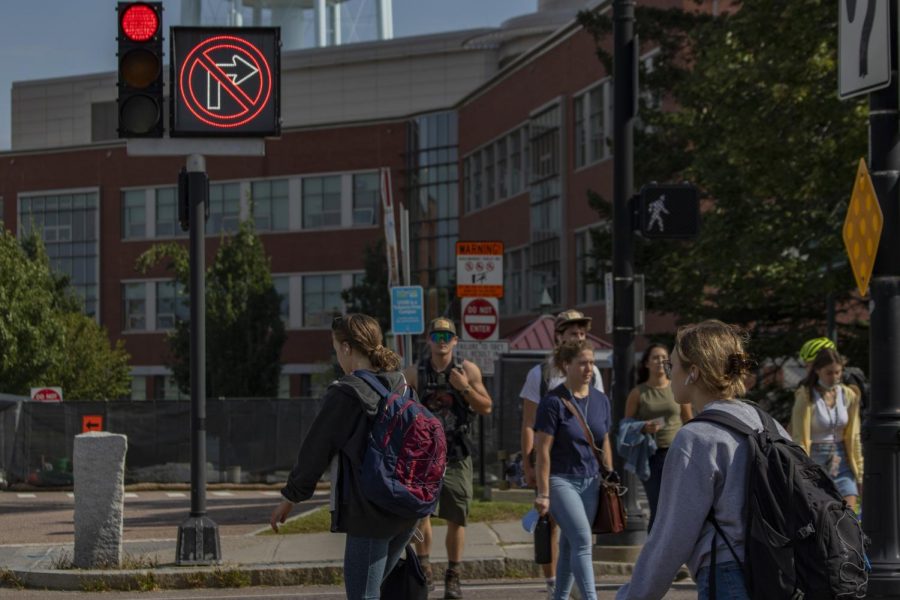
[[881, 430], [624, 112]]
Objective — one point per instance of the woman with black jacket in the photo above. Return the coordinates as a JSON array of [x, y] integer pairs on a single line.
[[337, 440]]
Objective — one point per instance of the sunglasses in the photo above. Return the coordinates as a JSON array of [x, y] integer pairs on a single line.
[[667, 366], [441, 337]]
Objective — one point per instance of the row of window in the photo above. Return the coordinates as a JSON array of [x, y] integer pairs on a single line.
[[524, 284], [496, 171], [307, 301], [593, 111], [289, 204]]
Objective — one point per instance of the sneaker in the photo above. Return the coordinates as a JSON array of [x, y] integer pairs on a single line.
[[429, 577], [551, 590], [451, 585]]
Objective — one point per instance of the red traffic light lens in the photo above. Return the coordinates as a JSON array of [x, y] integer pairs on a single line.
[[139, 22]]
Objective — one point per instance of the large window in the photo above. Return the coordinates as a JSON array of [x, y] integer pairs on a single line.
[[321, 202], [545, 206], [167, 224], [171, 304], [366, 190], [67, 223], [587, 274], [224, 208], [270, 205], [515, 275], [433, 169], [134, 214], [321, 299], [592, 114], [134, 306]]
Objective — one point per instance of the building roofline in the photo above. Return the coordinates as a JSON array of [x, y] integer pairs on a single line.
[[550, 42]]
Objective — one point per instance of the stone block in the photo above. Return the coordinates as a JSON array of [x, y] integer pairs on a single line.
[[99, 464]]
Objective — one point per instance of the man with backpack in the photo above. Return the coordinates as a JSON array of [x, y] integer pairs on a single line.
[[454, 392], [569, 326]]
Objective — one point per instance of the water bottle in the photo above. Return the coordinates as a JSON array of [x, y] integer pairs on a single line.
[[543, 541]]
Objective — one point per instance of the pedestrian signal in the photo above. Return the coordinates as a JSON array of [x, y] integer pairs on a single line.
[[669, 211], [140, 60]]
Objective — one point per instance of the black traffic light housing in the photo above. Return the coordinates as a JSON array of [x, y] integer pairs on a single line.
[[140, 69]]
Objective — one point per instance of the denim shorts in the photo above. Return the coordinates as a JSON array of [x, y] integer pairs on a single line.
[[729, 582], [845, 482]]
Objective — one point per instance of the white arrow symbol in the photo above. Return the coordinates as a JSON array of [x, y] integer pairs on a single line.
[[249, 69]]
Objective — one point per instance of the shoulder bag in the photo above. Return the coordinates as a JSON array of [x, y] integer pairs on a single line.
[[610, 517]]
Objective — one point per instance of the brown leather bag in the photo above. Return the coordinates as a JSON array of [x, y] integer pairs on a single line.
[[610, 517]]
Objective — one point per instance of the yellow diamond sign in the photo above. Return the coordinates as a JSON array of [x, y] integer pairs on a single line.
[[862, 228]]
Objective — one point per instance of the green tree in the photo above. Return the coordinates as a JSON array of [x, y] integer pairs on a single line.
[[244, 330], [44, 338], [744, 105], [371, 295]]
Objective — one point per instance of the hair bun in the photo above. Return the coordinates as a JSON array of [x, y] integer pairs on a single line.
[[739, 364]]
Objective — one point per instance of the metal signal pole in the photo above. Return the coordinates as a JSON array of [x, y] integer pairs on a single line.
[[881, 429], [624, 112]]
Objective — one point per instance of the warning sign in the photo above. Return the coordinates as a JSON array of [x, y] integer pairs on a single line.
[[479, 269]]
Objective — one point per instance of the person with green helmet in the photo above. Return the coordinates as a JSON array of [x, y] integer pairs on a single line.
[[811, 348], [852, 377]]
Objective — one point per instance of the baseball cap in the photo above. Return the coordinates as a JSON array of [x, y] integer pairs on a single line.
[[568, 317], [442, 324], [811, 348]]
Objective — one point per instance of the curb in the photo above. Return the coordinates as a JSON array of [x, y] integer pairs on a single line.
[[233, 576]]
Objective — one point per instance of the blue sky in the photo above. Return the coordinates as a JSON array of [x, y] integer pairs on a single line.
[[41, 39]]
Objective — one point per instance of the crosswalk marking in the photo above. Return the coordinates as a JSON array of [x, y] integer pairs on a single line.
[[26, 495], [222, 494], [70, 494], [271, 493], [130, 495], [176, 494]]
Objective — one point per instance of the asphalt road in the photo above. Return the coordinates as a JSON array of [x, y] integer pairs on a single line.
[[481, 590], [46, 517]]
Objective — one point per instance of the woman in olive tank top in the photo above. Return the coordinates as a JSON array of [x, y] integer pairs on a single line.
[[652, 401]]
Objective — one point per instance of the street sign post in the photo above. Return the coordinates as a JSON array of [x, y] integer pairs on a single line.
[[864, 49], [225, 81], [479, 269], [669, 211], [407, 310], [862, 228], [483, 354], [480, 319]]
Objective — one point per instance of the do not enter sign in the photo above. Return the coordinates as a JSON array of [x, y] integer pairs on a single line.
[[480, 319]]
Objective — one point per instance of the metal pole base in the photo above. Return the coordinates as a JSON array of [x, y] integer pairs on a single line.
[[198, 542]]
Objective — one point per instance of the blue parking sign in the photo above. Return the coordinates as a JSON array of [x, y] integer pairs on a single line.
[[407, 310]]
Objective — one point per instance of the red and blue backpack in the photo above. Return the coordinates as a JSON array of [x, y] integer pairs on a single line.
[[406, 454]]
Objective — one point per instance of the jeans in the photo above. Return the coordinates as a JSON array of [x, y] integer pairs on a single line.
[[729, 582], [367, 561], [573, 504], [654, 483]]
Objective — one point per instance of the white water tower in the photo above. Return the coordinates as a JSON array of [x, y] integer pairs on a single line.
[[304, 23]]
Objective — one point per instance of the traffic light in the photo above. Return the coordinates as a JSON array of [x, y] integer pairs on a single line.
[[140, 101]]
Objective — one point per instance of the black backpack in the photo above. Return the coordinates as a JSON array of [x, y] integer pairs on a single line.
[[802, 540]]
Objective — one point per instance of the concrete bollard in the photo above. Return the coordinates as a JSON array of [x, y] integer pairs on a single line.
[[99, 499]]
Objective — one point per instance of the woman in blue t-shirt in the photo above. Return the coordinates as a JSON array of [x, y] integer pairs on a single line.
[[567, 472]]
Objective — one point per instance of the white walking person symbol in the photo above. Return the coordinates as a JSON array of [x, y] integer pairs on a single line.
[[657, 209]]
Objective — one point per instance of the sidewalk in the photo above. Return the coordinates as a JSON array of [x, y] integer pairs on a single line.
[[493, 550]]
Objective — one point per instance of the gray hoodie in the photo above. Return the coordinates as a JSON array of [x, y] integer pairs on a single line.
[[706, 467]]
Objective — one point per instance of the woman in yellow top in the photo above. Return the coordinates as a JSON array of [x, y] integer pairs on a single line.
[[653, 402], [825, 422]]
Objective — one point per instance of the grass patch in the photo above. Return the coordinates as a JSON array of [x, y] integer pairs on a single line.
[[316, 522], [492, 512], [9, 579], [482, 511]]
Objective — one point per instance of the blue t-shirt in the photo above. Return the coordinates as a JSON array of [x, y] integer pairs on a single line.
[[571, 453]]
